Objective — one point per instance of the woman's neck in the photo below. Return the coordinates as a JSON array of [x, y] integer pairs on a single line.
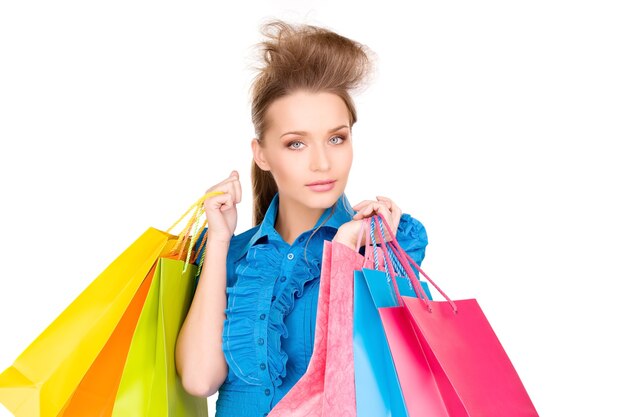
[[294, 219]]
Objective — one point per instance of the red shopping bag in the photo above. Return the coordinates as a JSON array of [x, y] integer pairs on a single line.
[[327, 386], [449, 360]]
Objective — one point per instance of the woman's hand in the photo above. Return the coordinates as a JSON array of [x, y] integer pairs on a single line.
[[348, 233], [221, 209]]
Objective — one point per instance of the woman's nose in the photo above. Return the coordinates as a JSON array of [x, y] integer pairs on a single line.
[[319, 159]]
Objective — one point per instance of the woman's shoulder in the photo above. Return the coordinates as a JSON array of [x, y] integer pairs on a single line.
[[240, 243]]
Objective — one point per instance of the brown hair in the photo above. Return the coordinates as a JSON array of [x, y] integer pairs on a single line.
[[301, 57]]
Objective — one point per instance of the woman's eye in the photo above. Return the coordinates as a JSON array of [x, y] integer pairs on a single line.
[[295, 145], [336, 140]]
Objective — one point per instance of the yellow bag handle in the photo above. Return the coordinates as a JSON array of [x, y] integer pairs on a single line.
[[189, 235]]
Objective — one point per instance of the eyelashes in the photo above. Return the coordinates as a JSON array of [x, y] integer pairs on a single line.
[[291, 145], [297, 145]]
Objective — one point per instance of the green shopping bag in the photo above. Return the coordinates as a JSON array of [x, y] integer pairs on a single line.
[[150, 385]]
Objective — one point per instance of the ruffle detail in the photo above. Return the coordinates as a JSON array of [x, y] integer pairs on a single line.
[[255, 276], [283, 305]]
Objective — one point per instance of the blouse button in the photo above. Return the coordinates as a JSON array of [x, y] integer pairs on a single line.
[[283, 279], [290, 256], [262, 366], [300, 239], [267, 391], [260, 341], [262, 316]]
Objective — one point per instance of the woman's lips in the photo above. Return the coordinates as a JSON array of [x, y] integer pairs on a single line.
[[322, 186]]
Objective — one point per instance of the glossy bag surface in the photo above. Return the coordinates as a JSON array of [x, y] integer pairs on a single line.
[[449, 360], [474, 374], [43, 378], [149, 384], [378, 391], [53, 375], [95, 395]]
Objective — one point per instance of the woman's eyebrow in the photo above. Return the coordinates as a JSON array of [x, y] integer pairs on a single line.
[[302, 133]]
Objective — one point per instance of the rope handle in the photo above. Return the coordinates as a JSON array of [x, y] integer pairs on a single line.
[[370, 256], [390, 273], [188, 237], [406, 261]]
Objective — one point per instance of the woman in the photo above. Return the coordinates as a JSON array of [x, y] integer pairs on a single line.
[[250, 329]]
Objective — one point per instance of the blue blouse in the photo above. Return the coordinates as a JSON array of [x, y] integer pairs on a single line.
[[272, 292]]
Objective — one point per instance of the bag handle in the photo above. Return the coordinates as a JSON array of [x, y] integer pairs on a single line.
[[406, 261], [390, 274], [395, 263], [188, 237], [396, 266], [371, 254], [368, 255]]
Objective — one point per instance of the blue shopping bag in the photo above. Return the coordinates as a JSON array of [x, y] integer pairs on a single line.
[[378, 391]]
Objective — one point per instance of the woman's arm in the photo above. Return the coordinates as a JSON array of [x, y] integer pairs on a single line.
[[199, 357]]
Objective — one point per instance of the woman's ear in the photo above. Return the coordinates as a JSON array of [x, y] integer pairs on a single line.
[[258, 154]]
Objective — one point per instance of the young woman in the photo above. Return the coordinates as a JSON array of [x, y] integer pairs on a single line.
[[250, 329]]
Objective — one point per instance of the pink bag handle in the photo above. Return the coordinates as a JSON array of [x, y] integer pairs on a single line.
[[406, 261], [387, 262], [371, 255], [419, 291], [368, 252], [370, 242]]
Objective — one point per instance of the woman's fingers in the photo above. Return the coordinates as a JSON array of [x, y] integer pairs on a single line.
[[383, 206], [362, 204], [237, 190], [372, 207], [219, 202], [230, 185], [234, 176], [396, 213], [367, 205]]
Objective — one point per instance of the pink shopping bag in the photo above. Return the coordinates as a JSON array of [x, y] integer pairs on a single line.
[[449, 360], [327, 386]]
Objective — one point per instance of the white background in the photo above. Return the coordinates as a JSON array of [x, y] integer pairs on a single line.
[[500, 125]]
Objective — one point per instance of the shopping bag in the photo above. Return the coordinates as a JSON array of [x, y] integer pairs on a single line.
[[378, 391], [149, 384], [419, 388], [327, 386], [45, 376], [95, 395], [449, 359]]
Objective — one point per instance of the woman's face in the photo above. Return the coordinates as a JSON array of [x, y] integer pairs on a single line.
[[308, 148]]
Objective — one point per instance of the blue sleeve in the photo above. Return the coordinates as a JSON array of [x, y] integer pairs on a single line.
[[411, 236]]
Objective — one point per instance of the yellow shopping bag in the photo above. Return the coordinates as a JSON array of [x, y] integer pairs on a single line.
[[95, 395], [44, 377]]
